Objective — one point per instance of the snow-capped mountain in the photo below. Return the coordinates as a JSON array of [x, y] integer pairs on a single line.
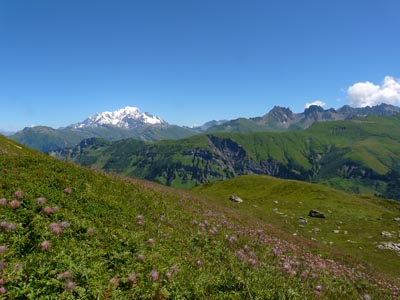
[[128, 118]]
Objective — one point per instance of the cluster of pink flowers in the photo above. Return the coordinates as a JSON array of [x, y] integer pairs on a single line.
[[248, 256], [18, 194], [45, 246], [154, 275], [3, 249], [56, 228], [68, 191], [6, 226], [40, 201], [114, 281], [49, 210]]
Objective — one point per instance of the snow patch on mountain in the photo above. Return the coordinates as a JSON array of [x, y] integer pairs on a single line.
[[128, 117]]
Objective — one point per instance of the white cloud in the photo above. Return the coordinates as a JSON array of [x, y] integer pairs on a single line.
[[317, 102], [363, 94]]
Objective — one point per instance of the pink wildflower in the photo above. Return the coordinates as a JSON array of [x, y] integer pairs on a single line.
[[132, 278], [151, 241], [154, 275], [318, 289], [114, 281], [3, 202], [168, 275], [55, 228], [2, 281], [3, 249], [65, 275], [199, 263], [45, 246], [18, 194], [232, 239], [90, 231], [15, 204], [40, 201], [366, 297], [48, 210], [68, 191], [140, 257], [2, 290], [70, 285]]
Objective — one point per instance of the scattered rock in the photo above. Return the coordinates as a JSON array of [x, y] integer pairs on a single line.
[[390, 246], [345, 232], [236, 199], [336, 231], [316, 214], [386, 234], [302, 220], [276, 202], [396, 219]]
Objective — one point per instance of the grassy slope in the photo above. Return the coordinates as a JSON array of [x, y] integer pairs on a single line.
[[220, 253], [358, 219]]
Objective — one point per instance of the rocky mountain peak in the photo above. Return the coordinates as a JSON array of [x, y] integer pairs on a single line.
[[128, 117]]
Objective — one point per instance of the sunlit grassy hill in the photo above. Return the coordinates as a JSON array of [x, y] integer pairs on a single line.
[[352, 228], [69, 233]]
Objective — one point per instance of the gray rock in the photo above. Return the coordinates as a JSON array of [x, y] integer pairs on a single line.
[[302, 220], [390, 246], [396, 219], [236, 199], [386, 234], [316, 214]]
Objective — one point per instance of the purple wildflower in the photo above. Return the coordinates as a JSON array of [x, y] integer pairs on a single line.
[[40, 201], [56, 228], [48, 210], [68, 191], [154, 275], [114, 281], [132, 278], [15, 204], [65, 275], [45, 246], [18, 194], [70, 285]]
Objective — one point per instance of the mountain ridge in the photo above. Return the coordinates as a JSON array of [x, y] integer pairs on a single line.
[[131, 123]]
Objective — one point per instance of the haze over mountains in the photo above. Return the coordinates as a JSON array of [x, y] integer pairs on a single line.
[[130, 122]]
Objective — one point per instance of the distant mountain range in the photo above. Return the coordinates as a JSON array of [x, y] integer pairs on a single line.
[[361, 155], [6, 133], [130, 122]]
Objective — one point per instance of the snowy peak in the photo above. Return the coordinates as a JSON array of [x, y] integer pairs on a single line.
[[128, 117]]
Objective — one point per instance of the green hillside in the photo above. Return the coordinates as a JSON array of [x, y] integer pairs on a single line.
[[352, 227], [359, 156], [69, 233]]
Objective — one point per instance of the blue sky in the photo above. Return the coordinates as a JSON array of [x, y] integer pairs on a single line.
[[192, 61]]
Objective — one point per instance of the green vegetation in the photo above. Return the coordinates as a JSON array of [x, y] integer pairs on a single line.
[[69, 233], [352, 227], [358, 156]]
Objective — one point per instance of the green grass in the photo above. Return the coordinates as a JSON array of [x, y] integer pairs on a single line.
[[351, 229], [201, 250]]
